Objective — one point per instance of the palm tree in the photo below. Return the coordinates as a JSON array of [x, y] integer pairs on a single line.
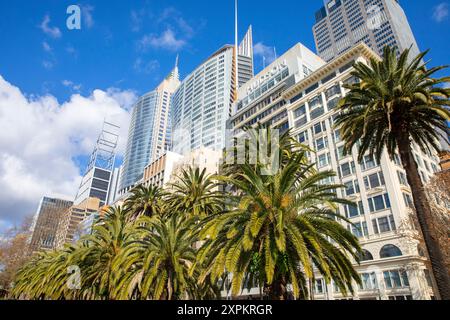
[[144, 201], [281, 227], [397, 104], [158, 262], [109, 238], [194, 193], [46, 276]]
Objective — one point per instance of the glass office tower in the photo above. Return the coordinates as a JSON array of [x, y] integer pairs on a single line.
[[203, 102], [342, 24], [149, 132]]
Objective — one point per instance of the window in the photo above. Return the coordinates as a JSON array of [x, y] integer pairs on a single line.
[[337, 136], [301, 111], [303, 136], [323, 160], [347, 169], [374, 180], [365, 255], [351, 187], [396, 279], [318, 287], [369, 281], [321, 143], [379, 203], [334, 90], [319, 127], [428, 277], [408, 200], [384, 224], [354, 211], [340, 154], [359, 229], [368, 163], [402, 178], [389, 251]]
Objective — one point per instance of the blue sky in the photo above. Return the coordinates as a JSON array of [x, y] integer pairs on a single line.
[[57, 85], [106, 53]]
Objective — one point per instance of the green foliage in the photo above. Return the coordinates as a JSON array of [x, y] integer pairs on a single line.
[[179, 243]]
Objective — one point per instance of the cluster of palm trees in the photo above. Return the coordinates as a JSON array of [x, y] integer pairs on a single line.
[[274, 231], [183, 242]]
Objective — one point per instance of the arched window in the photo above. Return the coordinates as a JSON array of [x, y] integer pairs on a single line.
[[365, 256], [389, 251]]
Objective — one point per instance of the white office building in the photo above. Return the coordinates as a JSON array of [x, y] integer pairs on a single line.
[[203, 102], [394, 265]]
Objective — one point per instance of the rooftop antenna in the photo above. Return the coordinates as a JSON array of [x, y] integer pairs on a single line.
[[275, 53], [264, 62]]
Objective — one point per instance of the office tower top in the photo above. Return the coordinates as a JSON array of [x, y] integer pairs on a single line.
[[342, 24], [203, 103], [150, 130], [98, 174], [245, 58]]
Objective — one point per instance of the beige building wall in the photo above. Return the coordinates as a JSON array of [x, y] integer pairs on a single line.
[[72, 219]]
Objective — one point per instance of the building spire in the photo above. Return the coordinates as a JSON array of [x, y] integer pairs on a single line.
[[174, 74]]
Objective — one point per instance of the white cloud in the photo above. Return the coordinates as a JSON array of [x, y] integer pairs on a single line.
[[146, 67], [440, 12], [136, 19], [41, 138], [46, 47], [53, 32], [167, 40], [264, 52], [47, 64], [71, 85], [86, 16]]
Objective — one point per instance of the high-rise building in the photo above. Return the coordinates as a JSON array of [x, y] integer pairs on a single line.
[[342, 24], [70, 224], [260, 99], [203, 102], [150, 130], [394, 265], [97, 178], [47, 221]]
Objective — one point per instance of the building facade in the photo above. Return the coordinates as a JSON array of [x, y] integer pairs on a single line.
[[166, 169], [260, 99], [342, 24], [159, 172], [203, 102], [69, 228], [46, 223], [150, 130], [394, 264]]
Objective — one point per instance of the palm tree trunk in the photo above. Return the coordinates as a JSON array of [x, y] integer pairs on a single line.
[[278, 289], [425, 218]]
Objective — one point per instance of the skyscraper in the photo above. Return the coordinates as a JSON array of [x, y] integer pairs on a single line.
[[341, 24], [150, 130], [47, 221], [97, 178], [203, 102]]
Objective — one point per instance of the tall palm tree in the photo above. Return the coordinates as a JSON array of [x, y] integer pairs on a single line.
[[157, 263], [109, 238], [395, 105], [144, 201], [194, 193], [283, 226]]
